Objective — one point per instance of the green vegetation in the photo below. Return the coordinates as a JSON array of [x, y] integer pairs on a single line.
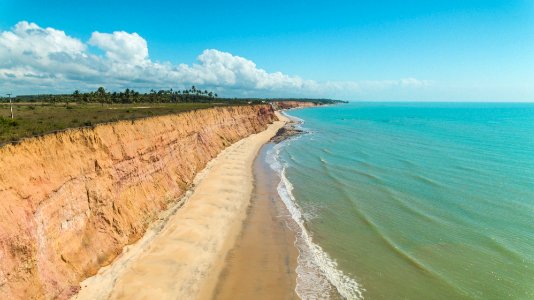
[[128, 96], [313, 100], [39, 114], [33, 119]]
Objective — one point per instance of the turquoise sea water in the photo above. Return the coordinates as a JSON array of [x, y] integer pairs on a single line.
[[413, 201]]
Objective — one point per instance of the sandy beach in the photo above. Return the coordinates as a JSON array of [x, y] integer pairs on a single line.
[[182, 256], [263, 262]]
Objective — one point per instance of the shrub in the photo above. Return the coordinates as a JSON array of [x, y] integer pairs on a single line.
[[8, 122]]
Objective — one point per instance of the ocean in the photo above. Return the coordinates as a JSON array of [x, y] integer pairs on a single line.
[[412, 200]]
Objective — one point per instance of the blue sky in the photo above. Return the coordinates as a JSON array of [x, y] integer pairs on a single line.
[[356, 50]]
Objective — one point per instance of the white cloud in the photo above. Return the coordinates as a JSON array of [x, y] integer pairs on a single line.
[[35, 59], [120, 46], [31, 51], [32, 40], [218, 68]]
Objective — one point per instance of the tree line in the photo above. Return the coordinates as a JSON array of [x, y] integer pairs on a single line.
[[194, 94], [127, 96]]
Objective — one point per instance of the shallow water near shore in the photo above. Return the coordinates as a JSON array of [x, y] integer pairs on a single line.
[[262, 263], [416, 201]]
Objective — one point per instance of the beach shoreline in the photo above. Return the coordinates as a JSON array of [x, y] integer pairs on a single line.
[[262, 264], [183, 257]]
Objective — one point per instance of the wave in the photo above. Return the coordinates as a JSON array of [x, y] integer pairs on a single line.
[[292, 118], [316, 271], [426, 180]]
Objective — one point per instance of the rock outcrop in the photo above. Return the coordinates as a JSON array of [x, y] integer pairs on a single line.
[[70, 201], [285, 133]]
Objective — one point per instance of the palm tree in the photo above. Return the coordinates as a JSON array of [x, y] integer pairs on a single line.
[[101, 94], [75, 95]]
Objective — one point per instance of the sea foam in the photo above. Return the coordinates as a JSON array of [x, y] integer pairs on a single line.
[[317, 272]]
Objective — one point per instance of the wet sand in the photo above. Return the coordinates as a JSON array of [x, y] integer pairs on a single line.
[[182, 258], [263, 261]]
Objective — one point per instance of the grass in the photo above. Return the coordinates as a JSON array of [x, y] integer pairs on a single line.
[[37, 119]]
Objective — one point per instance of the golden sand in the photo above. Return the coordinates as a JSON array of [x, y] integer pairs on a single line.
[[183, 260], [263, 262]]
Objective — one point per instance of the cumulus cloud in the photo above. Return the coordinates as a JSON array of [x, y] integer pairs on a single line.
[[31, 51], [120, 46], [35, 59], [224, 69]]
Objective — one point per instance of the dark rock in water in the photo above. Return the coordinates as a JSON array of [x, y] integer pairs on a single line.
[[286, 132]]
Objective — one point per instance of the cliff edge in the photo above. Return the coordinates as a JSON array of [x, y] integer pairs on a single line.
[[293, 104], [70, 201]]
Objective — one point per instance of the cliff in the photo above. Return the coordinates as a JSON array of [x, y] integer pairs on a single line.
[[70, 201], [293, 104]]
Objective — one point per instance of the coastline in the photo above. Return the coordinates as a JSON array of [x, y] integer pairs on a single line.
[[183, 257], [317, 275], [262, 264]]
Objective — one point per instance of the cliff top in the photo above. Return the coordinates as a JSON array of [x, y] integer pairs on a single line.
[[39, 118], [26, 116], [34, 119]]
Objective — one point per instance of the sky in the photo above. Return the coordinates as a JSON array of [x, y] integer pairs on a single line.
[[408, 50]]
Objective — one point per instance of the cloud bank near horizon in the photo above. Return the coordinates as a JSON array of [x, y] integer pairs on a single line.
[[47, 60]]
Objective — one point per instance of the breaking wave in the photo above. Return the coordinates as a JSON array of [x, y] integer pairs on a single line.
[[317, 272]]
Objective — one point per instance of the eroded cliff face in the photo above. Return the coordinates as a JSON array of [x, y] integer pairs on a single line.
[[292, 104], [70, 202]]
